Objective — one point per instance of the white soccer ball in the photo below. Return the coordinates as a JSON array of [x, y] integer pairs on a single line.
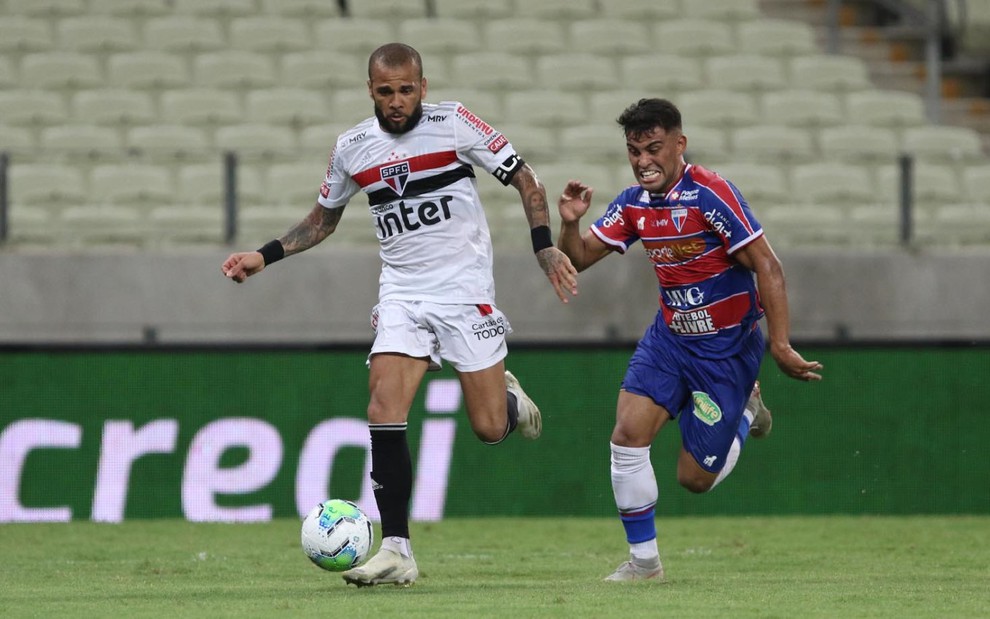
[[337, 535]]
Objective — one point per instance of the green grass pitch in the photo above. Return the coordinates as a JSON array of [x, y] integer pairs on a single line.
[[828, 566]]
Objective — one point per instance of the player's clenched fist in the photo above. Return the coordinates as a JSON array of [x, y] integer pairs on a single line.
[[242, 265]]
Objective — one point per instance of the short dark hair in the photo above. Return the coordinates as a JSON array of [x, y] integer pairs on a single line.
[[395, 55], [648, 114]]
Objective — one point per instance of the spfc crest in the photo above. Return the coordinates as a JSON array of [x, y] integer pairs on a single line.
[[678, 215], [396, 175]]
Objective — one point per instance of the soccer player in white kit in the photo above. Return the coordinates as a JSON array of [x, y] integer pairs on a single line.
[[415, 161]]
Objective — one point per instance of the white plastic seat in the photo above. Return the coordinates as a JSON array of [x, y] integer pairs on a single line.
[[388, 10], [859, 143], [647, 10], [802, 225], [234, 69], [544, 108], [482, 10], [204, 184], [976, 183], [321, 138], [745, 72], [440, 35], [178, 141], [829, 73], [200, 106], [943, 143], [113, 107], [307, 9], [534, 144], [147, 69], [693, 37], [215, 8], [17, 140], [103, 224], [130, 8], [773, 144], [716, 107], [286, 106], [76, 139], [603, 143], [293, 184], [650, 72], [96, 34], [353, 35], [555, 176], [735, 11], [759, 184], [776, 37], [32, 107], [516, 35], [175, 225], [251, 139], [491, 70], [183, 33], [576, 71], [7, 76], [565, 10], [934, 184], [131, 183], [352, 106], [604, 107], [257, 223], [321, 70], [46, 8], [958, 224], [54, 70], [31, 225], [802, 108], [885, 108], [611, 36], [46, 183], [707, 145], [25, 34], [832, 182], [269, 34]]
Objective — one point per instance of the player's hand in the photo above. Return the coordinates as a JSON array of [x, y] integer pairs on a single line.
[[242, 265], [575, 201], [793, 364], [559, 270]]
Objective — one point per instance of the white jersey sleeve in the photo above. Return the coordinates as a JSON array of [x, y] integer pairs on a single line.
[[483, 146]]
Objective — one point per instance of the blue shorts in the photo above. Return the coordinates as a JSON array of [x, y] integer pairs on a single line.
[[706, 396]]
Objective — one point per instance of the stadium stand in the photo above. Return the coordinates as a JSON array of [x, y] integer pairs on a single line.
[[745, 73], [150, 70], [234, 69]]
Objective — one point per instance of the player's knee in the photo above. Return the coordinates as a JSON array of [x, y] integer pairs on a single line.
[[695, 482], [490, 433]]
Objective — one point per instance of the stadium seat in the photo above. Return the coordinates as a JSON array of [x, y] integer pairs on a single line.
[[321, 138], [81, 140], [96, 34], [171, 225], [803, 225], [957, 224], [516, 35], [32, 107], [556, 175], [491, 71], [250, 139], [306, 9], [215, 8], [103, 224], [718, 108], [745, 72], [832, 183], [353, 35], [440, 35], [544, 108], [173, 141], [664, 75], [647, 10], [269, 34], [557, 9], [776, 37], [604, 107], [17, 140], [146, 70], [830, 73], [482, 10], [942, 143], [183, 33], [50, 9], [116, 106], [735, 11], [130, 8], [802, 108], [861, 143], [323, 70], [482, 103], [976, 183], [286, 106], [885, 108], [200, 106], [31, 226], [7, 75], [773, 144], [234, 69], [46, 183], [693, 37], [131, 183], [60, 70], [593, 143], [256, 224], [707, 145], [576, 71], [875, 223], [534, 144], [203, 184], [933, 184], [760, 184], [25, 35], [610, 36], [395, 10], [351, 106], [294, 184]]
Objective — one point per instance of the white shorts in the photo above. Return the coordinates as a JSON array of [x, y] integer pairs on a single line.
[[469, 337]]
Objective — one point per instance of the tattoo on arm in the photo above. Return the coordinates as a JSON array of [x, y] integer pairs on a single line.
[[534, 196], [318, 225]]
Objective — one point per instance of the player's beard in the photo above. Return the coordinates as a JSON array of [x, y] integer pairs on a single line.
[[406, 127]]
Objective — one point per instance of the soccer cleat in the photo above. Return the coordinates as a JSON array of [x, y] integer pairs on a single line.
[[630, 570], [529, 423], [762, 419], [385, 568]]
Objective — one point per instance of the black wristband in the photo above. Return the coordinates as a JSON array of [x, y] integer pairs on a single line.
[[272, 251], [541, 238]]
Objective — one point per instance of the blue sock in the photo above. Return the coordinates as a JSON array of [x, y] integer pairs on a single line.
[[640, 525]]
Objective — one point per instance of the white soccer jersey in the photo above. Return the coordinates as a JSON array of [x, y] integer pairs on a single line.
[[423, 199]]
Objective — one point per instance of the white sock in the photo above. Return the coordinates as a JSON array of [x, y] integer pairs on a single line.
[[644, 552], [633, 481], [401, 545], [730, 461]]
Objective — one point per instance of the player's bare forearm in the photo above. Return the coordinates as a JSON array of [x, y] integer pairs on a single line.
[[534, 196], [583, 249], [318, 225]]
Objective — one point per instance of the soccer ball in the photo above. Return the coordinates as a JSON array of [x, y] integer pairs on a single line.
[[337, 535]]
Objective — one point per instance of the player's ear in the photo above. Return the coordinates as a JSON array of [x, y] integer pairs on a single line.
[[681, 143], [422, 88], [370, 93]]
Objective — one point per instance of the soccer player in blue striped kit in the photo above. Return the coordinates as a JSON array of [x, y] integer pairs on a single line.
[[698, 362]]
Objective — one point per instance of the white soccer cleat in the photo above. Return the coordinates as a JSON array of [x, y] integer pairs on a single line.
[[762, 419], [634, 571], [385, 568], [529, 423]]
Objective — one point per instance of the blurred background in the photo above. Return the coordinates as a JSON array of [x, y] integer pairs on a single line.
[[142, 141]]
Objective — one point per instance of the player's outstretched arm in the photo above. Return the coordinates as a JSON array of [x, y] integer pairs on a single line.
[[555, 264], [318, 225], [583, 248]]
